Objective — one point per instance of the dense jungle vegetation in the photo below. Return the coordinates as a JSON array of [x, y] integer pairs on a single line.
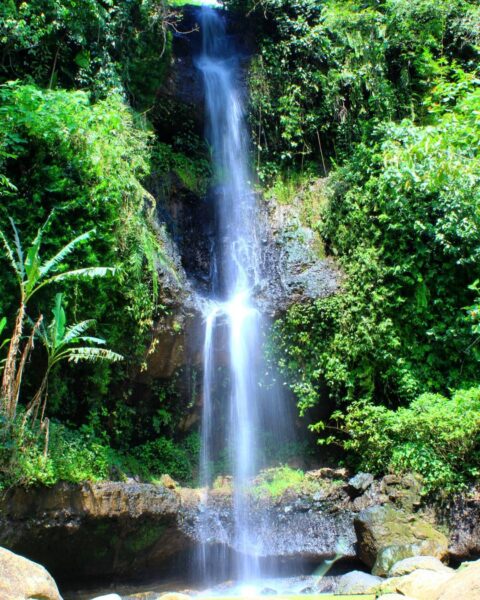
[[77, 148], [381, 98]]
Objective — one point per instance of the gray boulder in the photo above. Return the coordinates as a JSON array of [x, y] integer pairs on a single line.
[[360, 482], [358, 582]]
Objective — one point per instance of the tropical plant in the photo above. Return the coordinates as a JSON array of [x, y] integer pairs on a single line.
[[350, 66], [3, 324], [90, 162], [33, 274], [62, 343]]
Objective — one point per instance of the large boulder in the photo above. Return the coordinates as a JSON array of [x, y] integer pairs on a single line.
[[386, 535], [22, 579], [420, 584], [408, 565], [464, 585]]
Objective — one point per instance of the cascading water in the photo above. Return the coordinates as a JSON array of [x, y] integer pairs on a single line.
[[231, 308]]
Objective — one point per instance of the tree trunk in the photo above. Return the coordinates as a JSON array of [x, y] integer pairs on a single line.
[[21, 365], [10, 368]]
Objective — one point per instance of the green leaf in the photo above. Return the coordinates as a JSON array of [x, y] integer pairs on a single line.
[[59, 320], [93, 355], [17, 268], [63, 253]]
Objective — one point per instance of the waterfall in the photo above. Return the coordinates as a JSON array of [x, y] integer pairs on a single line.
[[230, 310]]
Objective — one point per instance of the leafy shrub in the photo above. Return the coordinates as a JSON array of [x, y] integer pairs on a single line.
[[436, 437], [193, 172], [87, 161], [77, 455], [73, 455], [275, 482], [163, 456], [350, 66], [105, 46]]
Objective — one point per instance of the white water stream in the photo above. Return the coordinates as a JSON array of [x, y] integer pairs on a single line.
[[231, 307]]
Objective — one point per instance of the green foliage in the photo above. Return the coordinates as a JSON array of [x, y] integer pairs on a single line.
[[33, 274], [403, 222], [350, 66], [164, 456], [88, 156], [73, 456], [58, 150], [275, 482], [79, 454], [104, 46], [436, 437], [61, 342], [193, 172]]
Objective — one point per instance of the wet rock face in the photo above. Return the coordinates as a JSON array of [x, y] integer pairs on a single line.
[[93, 530], [293, 270], [307, 527], [462, 518], [315, 521]]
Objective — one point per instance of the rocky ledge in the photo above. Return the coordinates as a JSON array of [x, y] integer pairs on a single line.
[[101, 529], [124, 529]]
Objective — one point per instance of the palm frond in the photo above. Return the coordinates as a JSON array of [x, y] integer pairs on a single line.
[[18, 247], [61, 254], [75, 331], [93, 355], [86, 273], [19, 272]]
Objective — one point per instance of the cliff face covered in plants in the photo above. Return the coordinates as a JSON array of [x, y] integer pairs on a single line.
[[365, 125], [381, 101]]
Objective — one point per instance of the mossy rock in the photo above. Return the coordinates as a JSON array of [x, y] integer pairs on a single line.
[[386, 535]]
